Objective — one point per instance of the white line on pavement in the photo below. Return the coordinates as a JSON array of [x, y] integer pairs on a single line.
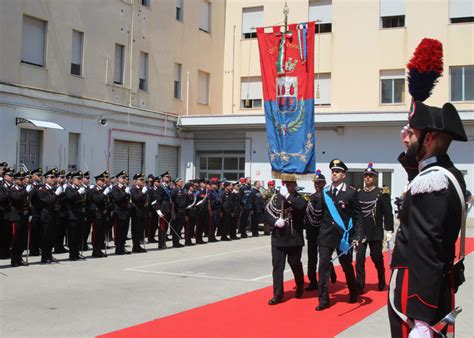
[[198, 276], [199, 257]]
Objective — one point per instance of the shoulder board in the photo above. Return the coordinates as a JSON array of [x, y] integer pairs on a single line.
[[429, 181], [351, 187], [385, 190]]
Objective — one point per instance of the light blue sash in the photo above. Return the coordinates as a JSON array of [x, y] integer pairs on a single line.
[[344, 245]]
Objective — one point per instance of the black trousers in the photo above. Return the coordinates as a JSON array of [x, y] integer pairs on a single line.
[[377, 258], [312, 238], [19, 238], [279, 255], [233, 226], [202, 224], [177, 226], [244, 222], [87, 231], [120, 231], [62, 228], [190, 224], [152, 225], [49, 234], [215, 224], [255, 221], [75, 236], [98, 232], [138, 230], [35, 234], [324, 272], [5, 237]]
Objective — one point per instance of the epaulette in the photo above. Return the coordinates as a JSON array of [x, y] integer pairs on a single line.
[[385, 190], [429, 181], [350, 186]]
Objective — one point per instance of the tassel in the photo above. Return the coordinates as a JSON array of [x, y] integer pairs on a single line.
[[426, 182]]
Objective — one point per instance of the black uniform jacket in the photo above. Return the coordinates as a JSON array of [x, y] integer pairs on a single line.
[[430, 221], [4, 202], [292, 233], [190, 203], [98, 201], [35, 202], [19, 203], [122, 201], [180, 200], [257, 201], [314, 211], [163, 200], [50, 203], [139, 201], [231, 204], [377, 212], [76, 203], [347, 204]]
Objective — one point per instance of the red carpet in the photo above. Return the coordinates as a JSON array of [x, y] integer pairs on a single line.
[[248, 315]]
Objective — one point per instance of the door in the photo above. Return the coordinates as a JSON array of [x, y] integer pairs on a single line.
[[167, 159], [30, 148], [128, 156]]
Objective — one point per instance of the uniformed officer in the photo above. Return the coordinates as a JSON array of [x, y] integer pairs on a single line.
[[5, 226], [267, 195], [89, 215], [36, 177], [152, 226], [285, 212], [258, 207], [313, 220], [163, 208], [377, 212], [140, 202], [76, 201], [19, 212], [179, 198], [246, 204], [191, 216], [422, 285], [62, 227], [122, 203], [49, 196], [203, 211], [341, 225], [227, 211], [215, 202], [99, 210]]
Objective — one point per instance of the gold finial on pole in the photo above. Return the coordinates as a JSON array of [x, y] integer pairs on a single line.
[[286, 10]]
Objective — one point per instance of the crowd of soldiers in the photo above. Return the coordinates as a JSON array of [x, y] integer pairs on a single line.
[[43, 213]]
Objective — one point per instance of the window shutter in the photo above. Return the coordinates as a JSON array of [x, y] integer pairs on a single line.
[[33, 43], [392, 7], [251, 17], [320, 10], [203, 87], [461, 8], [77, 38], [254, 87], [205, 16]]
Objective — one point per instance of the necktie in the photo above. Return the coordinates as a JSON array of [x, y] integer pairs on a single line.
[[334, 192]]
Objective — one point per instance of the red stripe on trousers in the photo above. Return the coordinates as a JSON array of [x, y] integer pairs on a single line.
[[404, 301], [13, 231]]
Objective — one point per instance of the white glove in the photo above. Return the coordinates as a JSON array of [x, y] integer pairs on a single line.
[[127, 190], [59, 191], [29, 187], [81, 190], [30, 218], [389, 236], [421, 330], [107, 191], [280, 223], [160, 213], [284, 192], [144, 190], [64, 186], [91, 186]]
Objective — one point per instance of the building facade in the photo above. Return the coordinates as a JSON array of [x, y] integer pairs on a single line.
[[148, 85]]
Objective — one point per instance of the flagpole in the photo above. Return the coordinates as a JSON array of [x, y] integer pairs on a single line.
[[286, 10]]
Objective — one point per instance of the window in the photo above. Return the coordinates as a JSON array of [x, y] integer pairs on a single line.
[[177, 80], [251, 92], [76, 54], [461, 11], [321, 10], [229, 165], [392, 86], [203, 87], [143, 83], [73, 151], [205, 19], [146, 3], [33, 41], [323, 98], [252, 18], [119, 58], [462, 83], [179, 10], [392, 13]]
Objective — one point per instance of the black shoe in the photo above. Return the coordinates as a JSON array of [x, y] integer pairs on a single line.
[[333, 276], [225, 239], [311, 287], [45, 261], [74, 258], [382, 285], [213, 240], [34, 253], [21, 262], [322, 306], [98, 254], [274, 301], [152, 240], [162, 247], [125, 251], [244, 236], [120, 252], [60, 250], [189, 244], [353, 298], [200, 241], [234, 238], [138, 249], [81, 257], [255, 234], [178, 245], [299, 292]]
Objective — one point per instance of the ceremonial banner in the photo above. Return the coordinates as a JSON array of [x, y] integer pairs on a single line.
[[287, 66]]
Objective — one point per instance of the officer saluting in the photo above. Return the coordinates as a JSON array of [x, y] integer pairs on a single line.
[[376, 211], [76, 201], [99, 205], [285, 212], [140, 212], [422, 283], [341, 225], [121, 197]]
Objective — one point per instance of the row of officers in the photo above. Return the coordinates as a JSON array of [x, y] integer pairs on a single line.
[[43, 212]]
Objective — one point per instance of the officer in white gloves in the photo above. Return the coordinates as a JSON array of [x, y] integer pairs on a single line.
[[285, 212], [76, 201], [121, 197], [140, 203]]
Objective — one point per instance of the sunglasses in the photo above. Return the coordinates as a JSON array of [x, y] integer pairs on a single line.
[[337, 171]]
